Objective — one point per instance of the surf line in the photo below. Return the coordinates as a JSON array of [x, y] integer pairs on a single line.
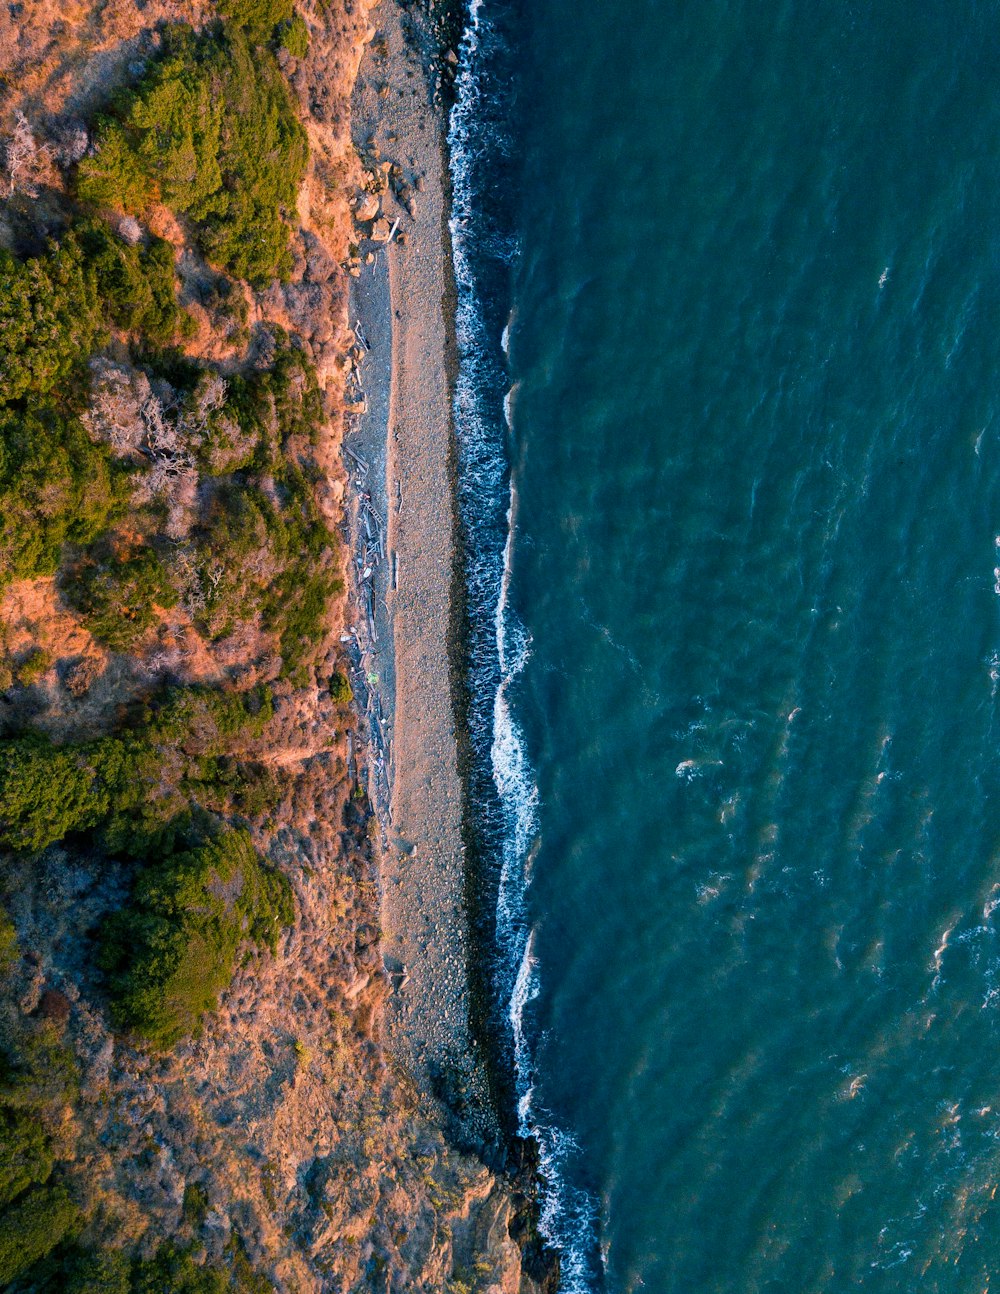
[[504, 787]]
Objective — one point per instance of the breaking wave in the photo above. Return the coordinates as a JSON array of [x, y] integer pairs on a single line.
[[502, 781]]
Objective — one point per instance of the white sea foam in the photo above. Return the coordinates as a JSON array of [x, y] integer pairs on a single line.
[[568, 1217], [505, 339]]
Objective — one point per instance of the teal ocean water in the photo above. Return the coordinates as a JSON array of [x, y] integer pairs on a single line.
[[747, 742]]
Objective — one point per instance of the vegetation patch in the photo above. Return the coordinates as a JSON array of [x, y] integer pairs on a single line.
[[173, 950], [56, 487], [37, 1078], [211, 131], [49, 319], [140, 789], [118, 594]]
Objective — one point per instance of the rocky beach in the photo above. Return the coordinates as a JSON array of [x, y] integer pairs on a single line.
[[404, 333]]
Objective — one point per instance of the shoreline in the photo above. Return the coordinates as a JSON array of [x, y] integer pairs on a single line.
[[439, 1018]]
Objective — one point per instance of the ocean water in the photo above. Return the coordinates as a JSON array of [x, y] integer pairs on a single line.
[[735, 664]]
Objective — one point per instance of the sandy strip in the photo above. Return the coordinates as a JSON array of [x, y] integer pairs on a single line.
[[408, 395]]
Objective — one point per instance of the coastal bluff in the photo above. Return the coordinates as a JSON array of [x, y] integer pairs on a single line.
[[216, 1082]]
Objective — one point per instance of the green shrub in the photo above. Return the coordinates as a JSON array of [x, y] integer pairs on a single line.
[[294, 36], [49, 319], [140, 789], [210, 129], [56, 486], [46, 792], [32, 1227], [136, 285], [26, 1157], [37, 663], [172, 952], [118, 596], [37, 1070], [340, 688], [175, 1271], [195, 1204], [205, 721], [114, 175], [107, 1271], [8, 945], [275, 552], [263, 161], [258, 17]]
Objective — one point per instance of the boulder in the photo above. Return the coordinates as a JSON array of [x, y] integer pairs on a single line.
[[366, 207], [381, 230]]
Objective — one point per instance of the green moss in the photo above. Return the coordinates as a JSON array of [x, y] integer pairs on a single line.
[[172, 952]]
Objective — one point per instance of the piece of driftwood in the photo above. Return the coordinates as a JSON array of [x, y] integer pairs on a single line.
[[357, 459]]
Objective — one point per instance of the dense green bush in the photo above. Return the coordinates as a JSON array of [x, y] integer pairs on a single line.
[[33, 1226], [118, 595], [46, 792], [340, 688], [205, 721], [272, 546], [109, 1271], [211, 130], [49, 319], [294, 36], [114, 175], [26, 1157], [258, 17], [176, 1271], [56, 486], [140, 787], [135, 285], [33, 666], [172, 952]]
